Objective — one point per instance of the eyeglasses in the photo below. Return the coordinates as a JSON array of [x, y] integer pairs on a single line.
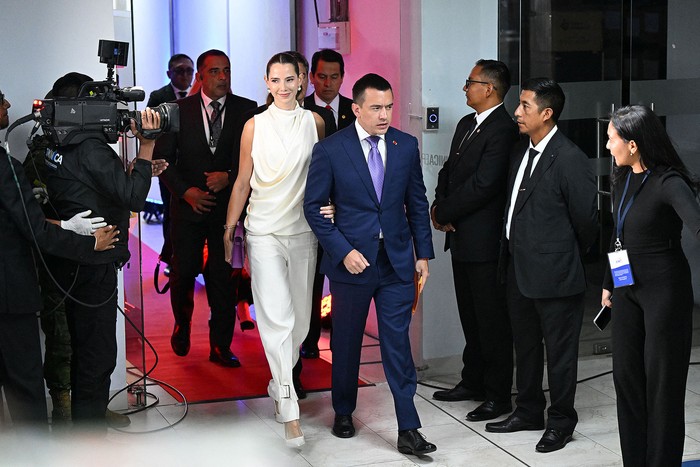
[[473, 81], [183, 71], [2, 98]]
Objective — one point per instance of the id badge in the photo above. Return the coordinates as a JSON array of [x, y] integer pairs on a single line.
[[620, 268]]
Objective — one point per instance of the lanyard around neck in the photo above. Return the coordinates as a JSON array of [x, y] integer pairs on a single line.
[[211, 122], [622, 210]]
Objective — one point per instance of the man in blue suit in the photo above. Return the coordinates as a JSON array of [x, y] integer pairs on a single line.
[[373, 175]]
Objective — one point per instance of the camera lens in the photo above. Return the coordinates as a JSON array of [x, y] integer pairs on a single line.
[[169, 120]]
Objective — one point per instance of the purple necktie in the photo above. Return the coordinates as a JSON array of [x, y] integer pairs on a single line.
[[376, 166]]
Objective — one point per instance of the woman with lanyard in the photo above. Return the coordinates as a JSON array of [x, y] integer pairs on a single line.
[[274, 162], [653, 195]]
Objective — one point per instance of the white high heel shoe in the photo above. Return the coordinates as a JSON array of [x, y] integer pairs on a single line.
[[278, 415], [293, 436]]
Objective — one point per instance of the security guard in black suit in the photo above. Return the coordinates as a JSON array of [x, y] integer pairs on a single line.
[[180, 71], [203, 160]]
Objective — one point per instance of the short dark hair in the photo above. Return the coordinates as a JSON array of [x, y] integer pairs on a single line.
[[497, 73], [370, 80], [640, 124], [210, 53], [547, 94], [299, 58], [177, 57], [69, 84], [327, 55]]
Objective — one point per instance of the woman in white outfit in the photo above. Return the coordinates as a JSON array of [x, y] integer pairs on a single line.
[[275, 155]]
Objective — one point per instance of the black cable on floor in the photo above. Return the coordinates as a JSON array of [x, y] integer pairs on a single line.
[[145, 377]]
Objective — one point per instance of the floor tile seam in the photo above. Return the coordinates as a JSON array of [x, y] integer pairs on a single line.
[[478, 433], [367, 435], [599, 444]]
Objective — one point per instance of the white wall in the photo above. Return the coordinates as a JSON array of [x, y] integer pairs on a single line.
[[249, 32], [455, 34], [38, 45], [152, 45]]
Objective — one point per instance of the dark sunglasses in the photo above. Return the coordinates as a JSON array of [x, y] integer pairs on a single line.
[[183, 71]]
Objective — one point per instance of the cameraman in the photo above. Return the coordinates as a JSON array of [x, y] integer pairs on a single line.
[[23, 226], [90, 175]]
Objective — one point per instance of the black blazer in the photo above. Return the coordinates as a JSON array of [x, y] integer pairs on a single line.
[[555, 222], [189, 155], [345, 114], [471, 186], [19, 289], [164, 94]]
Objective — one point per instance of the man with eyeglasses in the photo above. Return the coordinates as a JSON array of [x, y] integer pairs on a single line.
[[203, 159], [180, 71], [470, 198]]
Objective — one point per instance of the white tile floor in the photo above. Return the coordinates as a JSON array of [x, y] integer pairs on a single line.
[[244, 433]]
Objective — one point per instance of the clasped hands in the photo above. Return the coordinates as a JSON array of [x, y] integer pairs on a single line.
[[442, 228]]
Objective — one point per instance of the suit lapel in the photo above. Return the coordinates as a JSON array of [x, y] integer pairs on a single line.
[[353, 148], [193, 105], [547, 158], [392, 160]]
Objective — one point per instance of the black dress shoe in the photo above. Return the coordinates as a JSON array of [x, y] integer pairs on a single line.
[[223, 356], [298, 388], [458, 393], [343, 427], [513, 424], [552, 440], [489, 410], [309, 352], [413, 442], [180, 340]]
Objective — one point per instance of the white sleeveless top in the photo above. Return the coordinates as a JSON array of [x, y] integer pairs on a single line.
[[282, 144]]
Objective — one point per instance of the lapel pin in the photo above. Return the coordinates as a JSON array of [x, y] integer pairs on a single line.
[[343, 117], [395, 143]]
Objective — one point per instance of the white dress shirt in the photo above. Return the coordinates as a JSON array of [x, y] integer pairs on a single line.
[[206, 117], [521, 171], [335, 105]]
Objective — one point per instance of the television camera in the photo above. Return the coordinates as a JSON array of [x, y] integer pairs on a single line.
[[96, 112]]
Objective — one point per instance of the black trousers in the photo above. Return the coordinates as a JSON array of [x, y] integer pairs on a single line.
[[393, 301], [314, 333], [488, 352], [652, 333], [21, 374], [188, 239], [167, 251], [557, 322], [92, 326]]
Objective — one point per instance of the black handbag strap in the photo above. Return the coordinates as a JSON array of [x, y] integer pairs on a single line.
[[156, 274]]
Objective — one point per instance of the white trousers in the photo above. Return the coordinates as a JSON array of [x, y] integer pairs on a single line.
[[281, 271]]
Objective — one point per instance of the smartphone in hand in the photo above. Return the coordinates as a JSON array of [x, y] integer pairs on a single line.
[[603, 318]]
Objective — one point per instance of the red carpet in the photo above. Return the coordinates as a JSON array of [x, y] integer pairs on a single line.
[[197, 378]]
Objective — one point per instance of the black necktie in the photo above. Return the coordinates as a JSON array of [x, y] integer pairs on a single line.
[[182, 94], [215, 127], [472, 127], [528, 169]]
